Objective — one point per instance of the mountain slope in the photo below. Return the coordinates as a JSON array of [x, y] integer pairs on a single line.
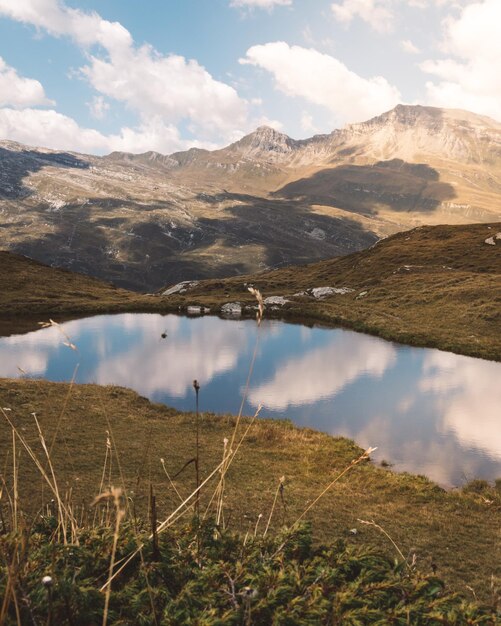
[[264, 201]]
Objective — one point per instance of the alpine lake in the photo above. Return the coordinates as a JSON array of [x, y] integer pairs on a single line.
[[428, 412]]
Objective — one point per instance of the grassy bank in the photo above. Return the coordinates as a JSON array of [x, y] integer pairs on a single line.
[[434, 286], [102, 436], [437, 286]]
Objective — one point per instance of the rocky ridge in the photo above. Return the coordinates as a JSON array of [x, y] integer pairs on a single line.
[[265, 201]]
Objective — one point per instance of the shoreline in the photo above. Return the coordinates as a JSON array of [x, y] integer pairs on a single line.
[[11, 324]]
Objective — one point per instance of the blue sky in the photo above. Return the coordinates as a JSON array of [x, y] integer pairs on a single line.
[[96, 76]]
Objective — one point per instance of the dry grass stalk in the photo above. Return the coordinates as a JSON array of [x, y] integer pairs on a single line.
[[15, 494], [61, 508], [63, 514], [381, 529], [280, 488], [162, 462], [116, 494], [260, 303], [169, 521], [361, 458], [53, 324]]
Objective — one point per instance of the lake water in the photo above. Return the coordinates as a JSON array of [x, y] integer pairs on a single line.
[[428, 412]]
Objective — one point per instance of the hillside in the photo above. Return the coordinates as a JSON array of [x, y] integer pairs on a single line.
[[32, 292], [263, 202], [432, 286]]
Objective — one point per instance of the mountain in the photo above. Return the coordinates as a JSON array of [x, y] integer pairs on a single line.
[[265, 201]]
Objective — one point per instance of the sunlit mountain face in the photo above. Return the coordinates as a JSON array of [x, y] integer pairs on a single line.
[[427, 411], [149, 220]]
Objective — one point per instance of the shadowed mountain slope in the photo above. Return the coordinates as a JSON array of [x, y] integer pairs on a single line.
[[265, 201]]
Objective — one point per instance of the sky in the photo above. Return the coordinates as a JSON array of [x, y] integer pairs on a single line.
[[96, 76]]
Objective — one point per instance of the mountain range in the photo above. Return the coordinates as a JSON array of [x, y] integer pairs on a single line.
[[265, 201]]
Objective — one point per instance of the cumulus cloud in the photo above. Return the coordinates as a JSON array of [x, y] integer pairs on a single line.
[[378, 13], [468, 77], [98, 107], [18, 91], [472, 409], [323, 80], [306, 379], [409, 47], [260, 4], [168, 88], [51, 129], [381, 15]]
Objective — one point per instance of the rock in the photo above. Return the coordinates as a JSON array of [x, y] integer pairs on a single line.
[[231, 309], [362, 294], [275, 300], [492, 240], [180, 287], [323, 292], [194, 310]]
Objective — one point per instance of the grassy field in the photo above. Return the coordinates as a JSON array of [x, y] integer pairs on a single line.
[[454, 534], [437, 286]]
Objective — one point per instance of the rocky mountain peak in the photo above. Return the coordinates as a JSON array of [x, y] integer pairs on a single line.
[[264, 141]]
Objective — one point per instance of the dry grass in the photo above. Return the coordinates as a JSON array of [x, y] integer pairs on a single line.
[[434, 286], [456, 533]]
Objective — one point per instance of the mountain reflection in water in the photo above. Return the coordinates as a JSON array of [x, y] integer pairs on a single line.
[[428, 412]]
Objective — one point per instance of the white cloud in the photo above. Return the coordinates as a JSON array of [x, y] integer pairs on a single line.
[[168, 88], [98, 107], [307, 123], [152, 366], [324, 80], [469, 77], [18, 91], [378, 13], [51, 129], [381, 15], [260, 4], [409, 47]]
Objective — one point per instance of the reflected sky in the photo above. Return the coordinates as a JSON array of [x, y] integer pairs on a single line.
[[428, 412]]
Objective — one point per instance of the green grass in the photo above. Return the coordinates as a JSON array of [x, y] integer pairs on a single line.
[[455, 534], [201, 576]]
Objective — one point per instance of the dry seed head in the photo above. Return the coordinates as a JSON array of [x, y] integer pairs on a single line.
[[53, 324], [260, 303]]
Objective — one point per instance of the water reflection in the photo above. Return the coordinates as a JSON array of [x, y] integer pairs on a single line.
[[323, 372], [428, 412]]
